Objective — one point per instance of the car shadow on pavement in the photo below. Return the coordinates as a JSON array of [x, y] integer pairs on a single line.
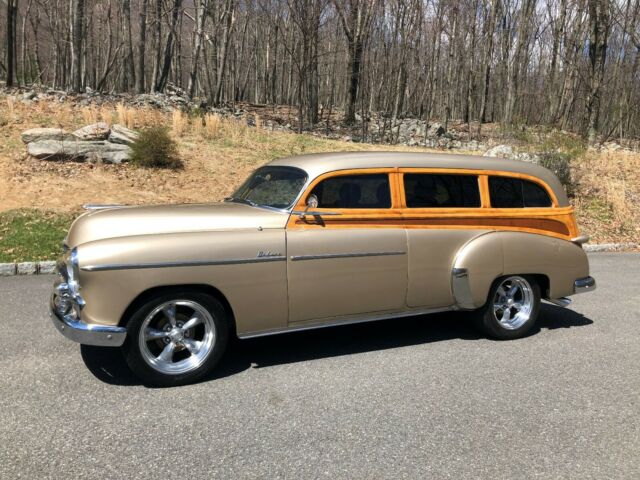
[[108, 365]]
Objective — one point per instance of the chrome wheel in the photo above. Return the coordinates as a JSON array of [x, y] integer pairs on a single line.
[[177, 337], [513, 302]]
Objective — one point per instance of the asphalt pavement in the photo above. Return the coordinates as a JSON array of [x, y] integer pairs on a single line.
[[425, 397]]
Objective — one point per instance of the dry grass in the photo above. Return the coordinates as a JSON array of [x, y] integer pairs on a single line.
[[179, 123], [219, 153], [608, 195]]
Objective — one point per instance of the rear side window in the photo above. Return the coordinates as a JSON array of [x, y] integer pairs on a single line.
[[423, 190], [509, 192], [354, 191]]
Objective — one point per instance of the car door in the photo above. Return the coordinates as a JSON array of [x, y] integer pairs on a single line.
[[352, 258], [439, 210]]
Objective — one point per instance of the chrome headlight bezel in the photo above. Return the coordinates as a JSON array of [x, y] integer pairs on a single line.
[[67, 299]]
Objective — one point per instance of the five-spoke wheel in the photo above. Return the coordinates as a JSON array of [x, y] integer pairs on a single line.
[[177, 338], [512, 307]]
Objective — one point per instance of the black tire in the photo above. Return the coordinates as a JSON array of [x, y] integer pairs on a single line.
[[135, 358], [486, 318]]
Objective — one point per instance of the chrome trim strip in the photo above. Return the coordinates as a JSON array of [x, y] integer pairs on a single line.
[[561, 302], [194, 263], [461, 289], [345, 321], [580, 240], [586, 284], [99, 206], [324, 256]]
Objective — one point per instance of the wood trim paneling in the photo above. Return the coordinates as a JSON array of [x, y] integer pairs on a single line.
[[553, 221]]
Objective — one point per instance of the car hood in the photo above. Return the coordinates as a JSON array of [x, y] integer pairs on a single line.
[[115, 222]]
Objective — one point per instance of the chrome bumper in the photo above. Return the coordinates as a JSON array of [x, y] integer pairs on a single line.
[[586, 284], [86, 333]]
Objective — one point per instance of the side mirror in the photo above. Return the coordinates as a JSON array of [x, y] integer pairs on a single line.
[[312, 202]]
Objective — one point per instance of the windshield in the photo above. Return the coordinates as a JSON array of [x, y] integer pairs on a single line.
[[275, 187]]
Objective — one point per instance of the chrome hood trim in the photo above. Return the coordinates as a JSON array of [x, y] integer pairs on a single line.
[[100, 224]]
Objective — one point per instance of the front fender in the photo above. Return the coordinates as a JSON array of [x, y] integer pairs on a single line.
[[248, 267]]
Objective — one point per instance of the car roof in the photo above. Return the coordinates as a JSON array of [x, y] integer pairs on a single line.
[[316, 164]]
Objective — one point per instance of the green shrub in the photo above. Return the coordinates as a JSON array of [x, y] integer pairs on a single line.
[[155, 148], [560, 164]]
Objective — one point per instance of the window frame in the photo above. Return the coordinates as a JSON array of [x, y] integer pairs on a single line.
[[441, 174], [393, 209], [483, 181]]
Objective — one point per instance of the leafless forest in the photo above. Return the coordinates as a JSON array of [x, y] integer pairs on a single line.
[[571, 64]]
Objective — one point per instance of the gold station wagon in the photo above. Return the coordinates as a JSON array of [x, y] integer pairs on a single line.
[[320, 240]]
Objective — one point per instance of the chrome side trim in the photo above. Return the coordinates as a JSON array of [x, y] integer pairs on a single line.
[[194, 263], [99, 206], [335, 322], [561, 302], [324, 256], [586, 284], [461, 289], [580, 240]]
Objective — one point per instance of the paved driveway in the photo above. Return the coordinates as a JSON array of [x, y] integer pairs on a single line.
[[414, 398]]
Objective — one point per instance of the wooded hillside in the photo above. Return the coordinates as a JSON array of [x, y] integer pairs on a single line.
[[572, 64]]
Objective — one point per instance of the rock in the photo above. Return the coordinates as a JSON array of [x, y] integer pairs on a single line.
[[95, 151], [36, 134], [47, 267], [97, 131], [123, 135], [527, 157], [29, 95], [503, 151], [27, 268], [435, 130], [7, 269]]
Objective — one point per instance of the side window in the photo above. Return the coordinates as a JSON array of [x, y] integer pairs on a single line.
[[425, 190], [509, 192], [354, 191]]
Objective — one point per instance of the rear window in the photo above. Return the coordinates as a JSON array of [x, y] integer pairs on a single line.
[[354, 191], [423, 190], [509, 192]]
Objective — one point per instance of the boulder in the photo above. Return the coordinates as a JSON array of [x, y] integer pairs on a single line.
[[503, 151], [435, 130], [36, 134], [68, 149], [123, 135], [97, 131]]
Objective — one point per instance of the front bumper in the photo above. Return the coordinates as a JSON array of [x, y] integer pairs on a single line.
[[86, 333], [586, 284]]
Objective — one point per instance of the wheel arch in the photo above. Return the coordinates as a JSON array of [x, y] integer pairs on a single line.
[[554, 264], [152, 292]]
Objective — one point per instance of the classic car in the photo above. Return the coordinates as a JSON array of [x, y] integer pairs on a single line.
[[320, 240]]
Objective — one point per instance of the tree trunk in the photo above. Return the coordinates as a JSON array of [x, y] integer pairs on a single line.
[[142, 39], [598, 36], [77, 36], [168, 49], [12, 13]]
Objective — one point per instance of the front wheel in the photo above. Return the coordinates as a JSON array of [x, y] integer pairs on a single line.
[[511, 309], [174, 339]]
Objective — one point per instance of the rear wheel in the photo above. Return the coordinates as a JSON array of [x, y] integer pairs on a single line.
[[174, 339], [511, 309]]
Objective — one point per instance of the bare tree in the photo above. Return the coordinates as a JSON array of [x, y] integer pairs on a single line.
[[356, 17], [77, 35], [599, 11]]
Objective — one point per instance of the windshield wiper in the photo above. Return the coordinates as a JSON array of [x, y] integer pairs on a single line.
[[241, 200]]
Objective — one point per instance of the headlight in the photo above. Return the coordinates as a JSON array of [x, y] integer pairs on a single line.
[[67, 300]]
